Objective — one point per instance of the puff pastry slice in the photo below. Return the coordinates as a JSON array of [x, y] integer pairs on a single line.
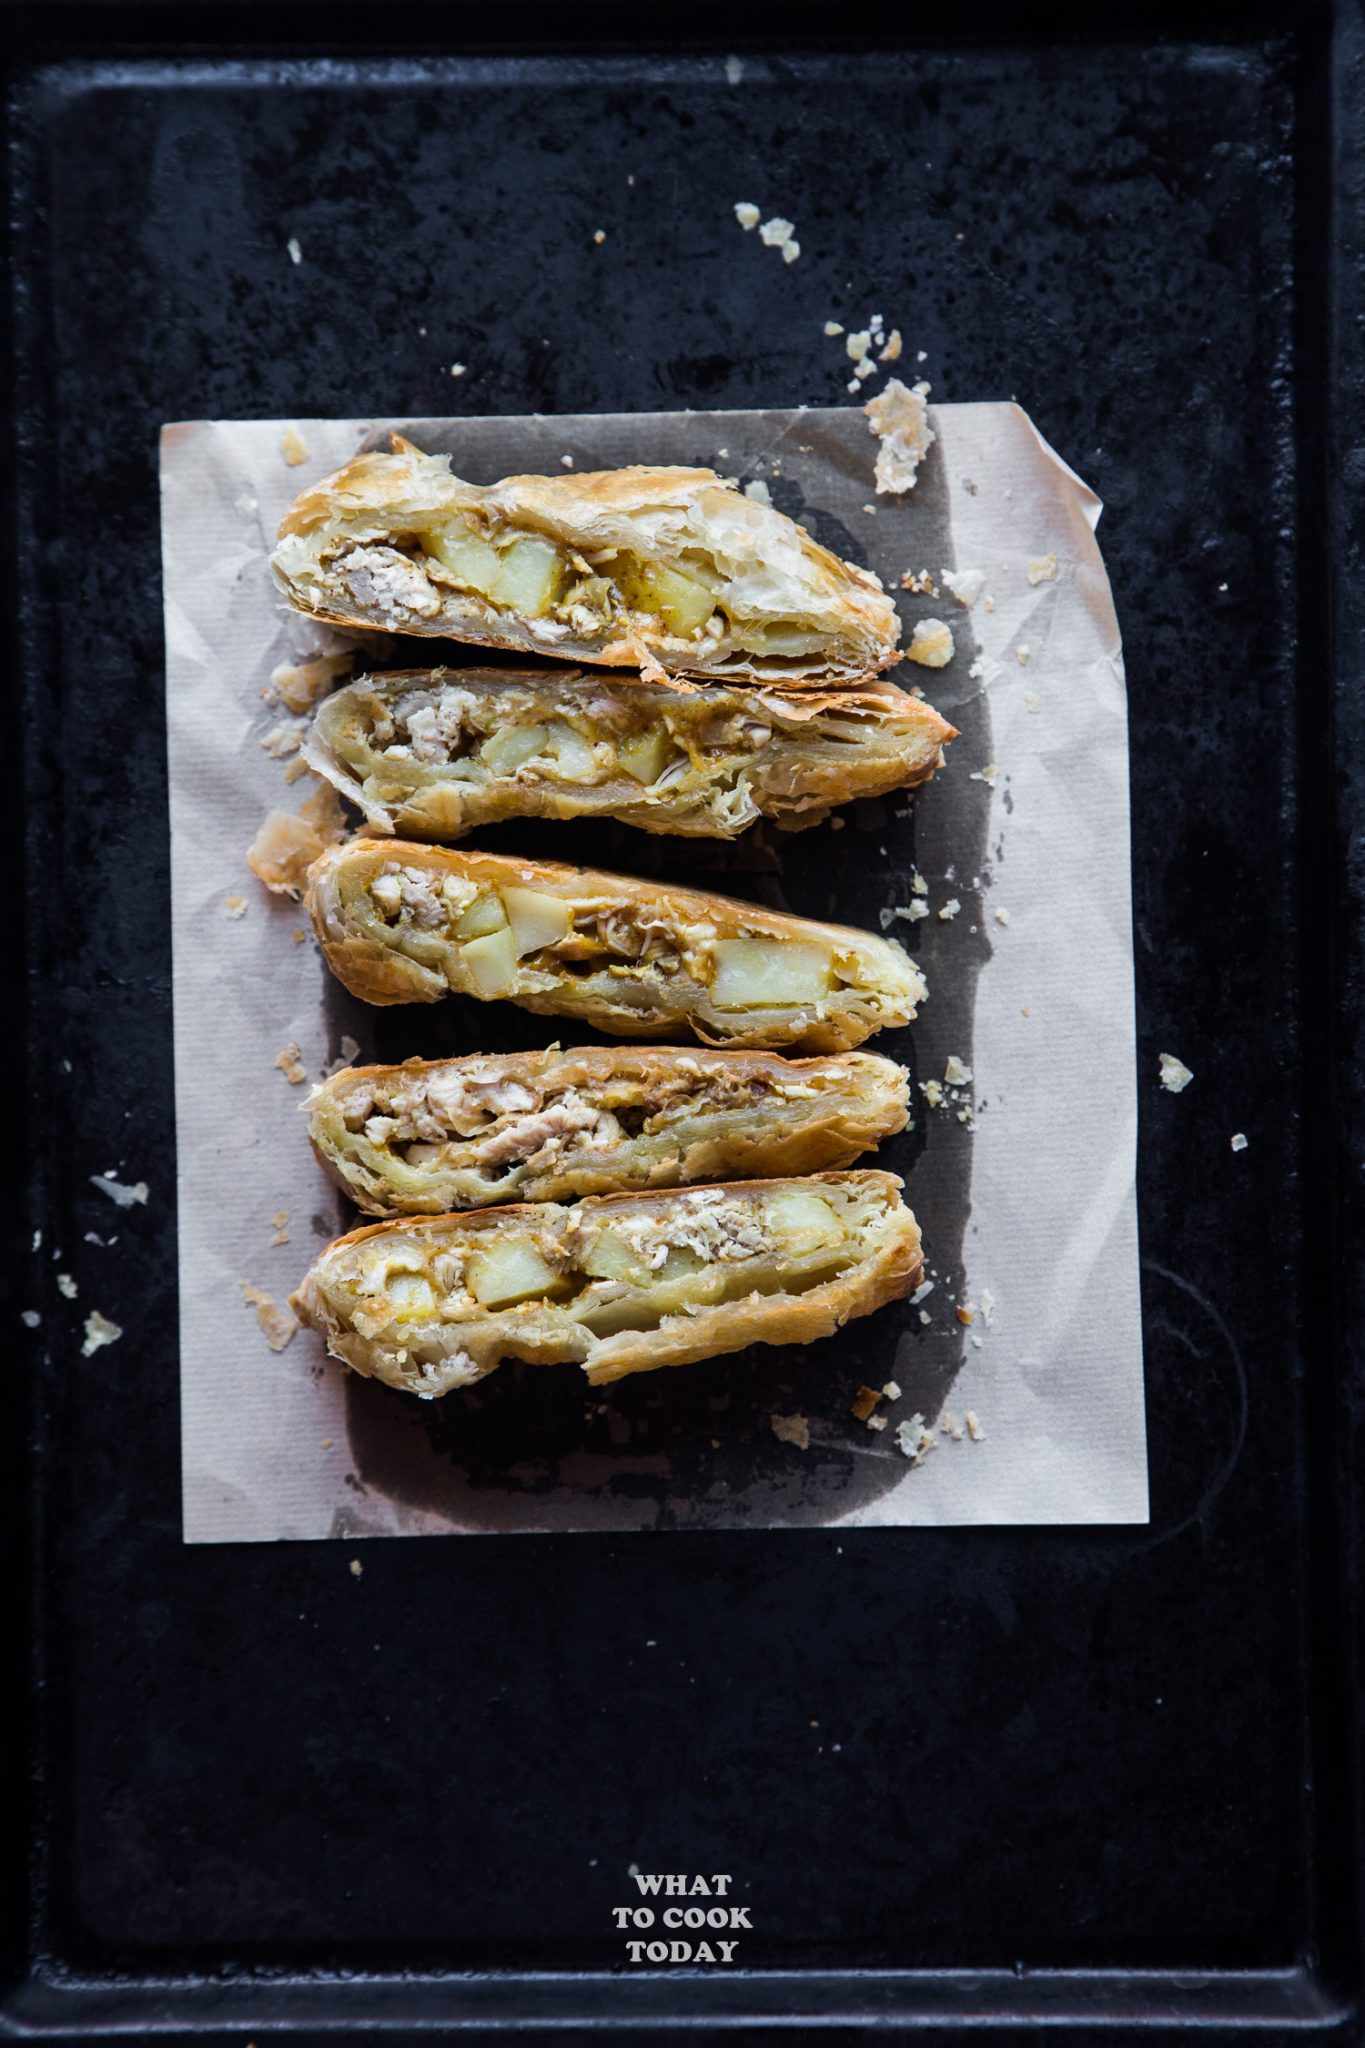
[[402, 923], [616, 1284], [672, 571], [431, 754], [436, 1135]]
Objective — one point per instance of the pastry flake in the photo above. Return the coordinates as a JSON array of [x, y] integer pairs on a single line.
[[432, 1136], [670, 571], [403, 923], [616, 1284], [434, 753]]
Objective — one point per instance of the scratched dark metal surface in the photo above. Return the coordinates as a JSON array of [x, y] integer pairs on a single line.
[[1091, 1776]]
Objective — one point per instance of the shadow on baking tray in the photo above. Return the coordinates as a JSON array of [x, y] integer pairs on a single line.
[[534, 1448]]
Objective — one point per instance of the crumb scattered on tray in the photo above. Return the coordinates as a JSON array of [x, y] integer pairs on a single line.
[[1031, 701], [282, 740], [891, 1392], [932, 1091], [235, 906], [876, 1422], [987, 775], [290, 1065], [117, 1192], [892, 351], [277, 1324], [300, 684], [758, 491], [832, 328], [346, 1052], [457, 369], [966, 585], [295, 252], [920, 581], [867, 1400], [914, 1439], [900, 420], [1002, 915], [1023, 654], [781, 234], [30, 1318], [99, 1331], [791, 1429], [599, 236], [1175, 1075], [67, 1286], [290, 841], [955, 1074], [293, 447], [746, 213], [974, 1428], [1239, 1141], [357, 1568], [949, 910], [931, 643], [1043, 569]]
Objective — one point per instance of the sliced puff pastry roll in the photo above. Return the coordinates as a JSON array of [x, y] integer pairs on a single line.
[[431, 754], [437, 1135], [616, 1284], [672, 571], [401, 923]]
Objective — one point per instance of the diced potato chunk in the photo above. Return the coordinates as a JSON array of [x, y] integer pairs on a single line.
[[412, 1294], [484, 915], [472, 560], [571, 752], [681, 1261], [505, 751], [529, 574], [753, 973], [681, 602], [801, 1219], [510, 1270], [644, 757], [536, 920], [609, 1257], [492, 962]]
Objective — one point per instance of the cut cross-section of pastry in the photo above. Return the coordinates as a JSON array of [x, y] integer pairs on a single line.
[[431, 754], [436, 1135], [672, 571], [616, 1284], [402, 923]]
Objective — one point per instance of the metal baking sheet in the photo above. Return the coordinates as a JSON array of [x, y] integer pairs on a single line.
[[960, 1778]]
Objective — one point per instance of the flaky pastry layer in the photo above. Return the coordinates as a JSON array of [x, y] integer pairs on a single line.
[[670, 571], [437, 1135], [403, 923], [431, 754], [616, 1284]]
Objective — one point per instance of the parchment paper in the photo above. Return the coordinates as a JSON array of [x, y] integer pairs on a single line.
[[1023, 1180]]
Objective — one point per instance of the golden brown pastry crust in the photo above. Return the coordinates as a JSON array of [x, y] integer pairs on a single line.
[[434, 753], [555, 1126], [356, 549], [611, 1327], [384, 954]]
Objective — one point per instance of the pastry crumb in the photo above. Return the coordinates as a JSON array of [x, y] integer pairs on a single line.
[[746, 213], [900, 420], [876, 1422], [1031, 701], [891, 352], [458, 369], [832, 328], [918, 884], [891, 1391], [300, 684], [965, 1314], [1239, 1141], [1023, 654], [326, 1443], [599, 236], [955, 1074], [932, 1091], [282, 740], [99, 1331], [277, 1324], [67, 1286], [857, 345], [914, 1439], [293, 447], [987, 1307], [987, 775], [30, 1318], [1175, 1075], [758, 491], [949, 910], [235, 906], [776, 231], [965, 585], [974, 1428], [1002, 915], [123, 1197], [931, 644], [290, 841], [920, 581], [356, 1568], [290, 1065], [867, 1400], [1043, 569], [346, 1053], [791, 1429], [299, 935], [950, 1426]]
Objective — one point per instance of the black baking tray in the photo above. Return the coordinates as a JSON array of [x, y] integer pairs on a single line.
[[1081, 1781]]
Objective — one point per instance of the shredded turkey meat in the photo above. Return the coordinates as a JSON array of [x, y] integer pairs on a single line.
[[381, 579]]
